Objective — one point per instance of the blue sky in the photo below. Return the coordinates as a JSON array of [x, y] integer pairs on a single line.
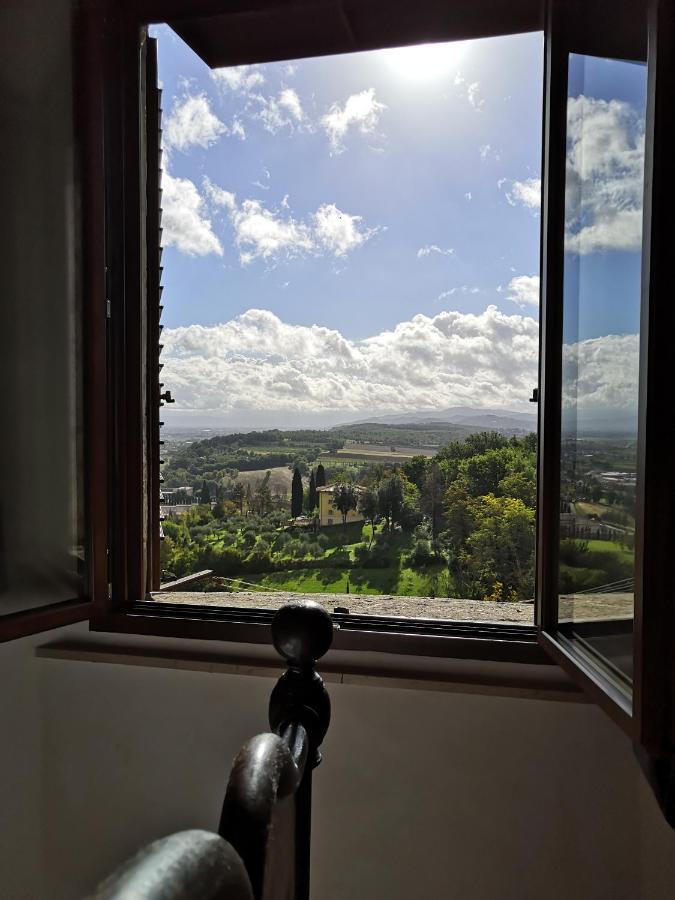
[[360, 234]]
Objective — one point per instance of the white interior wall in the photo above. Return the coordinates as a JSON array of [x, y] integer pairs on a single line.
[[420, 794]]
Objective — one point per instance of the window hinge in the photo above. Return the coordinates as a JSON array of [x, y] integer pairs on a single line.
[[107, 309]]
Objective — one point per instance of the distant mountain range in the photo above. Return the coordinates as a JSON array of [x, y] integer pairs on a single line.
[[487, 419]]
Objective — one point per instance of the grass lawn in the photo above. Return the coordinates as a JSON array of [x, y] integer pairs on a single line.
[[612, 547], [586, 508], [392, 580]]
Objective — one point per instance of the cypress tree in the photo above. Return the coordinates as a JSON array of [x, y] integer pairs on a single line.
[[320, 476], [313, 499], [296, 494], [205, 495]]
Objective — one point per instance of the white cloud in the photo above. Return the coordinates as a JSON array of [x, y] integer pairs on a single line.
[[524, 290], [241, 79], [191, 123], [362, 111], [434, 248], [273, 234], [601, 374], [185, 219], [473, 95], [260, 234], [258, 362], [283, 111], [237, 129], [470, 90], [460, 289], [218, 197], [524, 193], [289, 100], [604, 179], [467, 196], [337, 231]]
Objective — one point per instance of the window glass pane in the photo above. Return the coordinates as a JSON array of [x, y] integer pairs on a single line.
[[601, 316], [40, 463], [351, 334]]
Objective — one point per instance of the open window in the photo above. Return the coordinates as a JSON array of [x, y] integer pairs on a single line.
[[605, 320], [605, 486], [598, 601], [137, 558], [350, 336]]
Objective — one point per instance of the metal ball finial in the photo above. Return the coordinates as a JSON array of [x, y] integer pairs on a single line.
[[302, 632]]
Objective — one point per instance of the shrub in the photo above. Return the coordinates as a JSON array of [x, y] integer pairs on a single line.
[[373, 558], [421, 554], [227, 561]]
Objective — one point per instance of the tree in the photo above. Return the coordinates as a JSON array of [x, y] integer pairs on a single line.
[[345, 498], [415, 470], [390, 499], [431, 490], [368, 507], [320, 476], [296, 494], [502, 549], [205, 493], [238, 494], [264, 495], [460, 517], [313, 499]]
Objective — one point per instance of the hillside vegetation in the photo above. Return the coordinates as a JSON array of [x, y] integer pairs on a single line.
[[457, 522]]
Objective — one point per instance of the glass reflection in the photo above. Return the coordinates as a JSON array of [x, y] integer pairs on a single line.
[[601, 322]]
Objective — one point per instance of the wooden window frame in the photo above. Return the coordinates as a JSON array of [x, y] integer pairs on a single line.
[[647, 717], [87, 94], [120, 605], [649, 720]]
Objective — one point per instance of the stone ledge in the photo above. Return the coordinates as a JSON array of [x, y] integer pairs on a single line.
[[447, 609]]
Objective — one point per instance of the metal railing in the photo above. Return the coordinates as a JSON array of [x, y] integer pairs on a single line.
[[262, 848]]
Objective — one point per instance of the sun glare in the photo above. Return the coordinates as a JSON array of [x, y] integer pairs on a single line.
[[425, 62]]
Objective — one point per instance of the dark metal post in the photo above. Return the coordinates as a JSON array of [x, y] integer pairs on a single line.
[[302, 633]]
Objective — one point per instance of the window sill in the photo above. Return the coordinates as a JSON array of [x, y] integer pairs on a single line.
[[486, 641], [337, 667]]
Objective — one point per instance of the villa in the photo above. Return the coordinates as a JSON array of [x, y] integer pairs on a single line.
[[329, 514]]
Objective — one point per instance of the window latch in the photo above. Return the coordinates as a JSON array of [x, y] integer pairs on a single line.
[[535, 396]]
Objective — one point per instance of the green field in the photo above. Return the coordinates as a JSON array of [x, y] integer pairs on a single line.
[[612, 547], [393, 580]]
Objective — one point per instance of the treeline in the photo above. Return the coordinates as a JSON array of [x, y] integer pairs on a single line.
[[470, 506], [273, 437], [218, 459], [413, 435]]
